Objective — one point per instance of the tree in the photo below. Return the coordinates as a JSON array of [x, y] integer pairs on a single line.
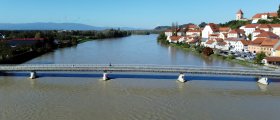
[[162, 36], [250, 36], [278, 12], [207, 51], [37, 35], [202, 24], [259, 58]]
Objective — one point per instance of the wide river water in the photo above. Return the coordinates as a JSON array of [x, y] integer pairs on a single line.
[[137, 96]]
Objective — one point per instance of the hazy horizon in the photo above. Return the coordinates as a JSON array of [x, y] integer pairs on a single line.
[[142, 14]]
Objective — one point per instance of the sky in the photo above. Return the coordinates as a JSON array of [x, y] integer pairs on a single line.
[[130, 13]]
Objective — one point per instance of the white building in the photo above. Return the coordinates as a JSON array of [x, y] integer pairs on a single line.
[[193, 33], [249, 29], [256, 33], [209, 29], [168, 33], [175, 39], [275, 29], [265, 16], [241, 45], [238, 33]]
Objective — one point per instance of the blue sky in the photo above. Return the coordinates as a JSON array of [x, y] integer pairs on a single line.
[[130, 13]]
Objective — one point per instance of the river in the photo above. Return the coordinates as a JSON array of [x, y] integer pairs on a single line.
[[138, 96]]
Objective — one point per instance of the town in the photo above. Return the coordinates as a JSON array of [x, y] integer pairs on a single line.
[[244, 40]]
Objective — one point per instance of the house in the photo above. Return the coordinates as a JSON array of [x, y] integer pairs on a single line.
[[265, 27], [268, 45], [231, 42], [265, 16], [267, 35], [263, 45], [222, 46], [255, 33], [254, 46], [275, 29], [215, 43], [214, 36], [210, 43], [238, 33], [210, 29], [223, 35], [241, 45], [175, 39], [168, 32], [271, 61], [224, 29], [192, 27], [239, 15], [192, 39], [250, 28], [180, 32], [193, 33]]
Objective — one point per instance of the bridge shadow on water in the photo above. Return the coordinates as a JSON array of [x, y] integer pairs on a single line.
[[194, 77]]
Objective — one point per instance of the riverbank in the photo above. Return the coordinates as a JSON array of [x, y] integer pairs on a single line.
[[17, 50], [196, 50]]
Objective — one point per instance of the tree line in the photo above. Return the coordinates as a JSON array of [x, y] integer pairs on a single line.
[[52, 39]]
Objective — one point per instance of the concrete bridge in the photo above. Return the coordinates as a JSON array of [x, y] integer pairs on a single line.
[[105, 68]]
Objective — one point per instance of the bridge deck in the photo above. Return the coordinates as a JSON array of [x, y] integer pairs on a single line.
[[142, 68]]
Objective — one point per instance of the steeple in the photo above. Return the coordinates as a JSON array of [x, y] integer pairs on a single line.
[[239, 15], [240, 12]]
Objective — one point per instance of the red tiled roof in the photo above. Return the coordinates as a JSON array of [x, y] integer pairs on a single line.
[[214, 35], [194, 31], [259, 31], [214, 27], [273, 59], [224, 29], [264, 26], [268, 35], [219, 39], [237, 31], [259, 15], [258, 41], [222, 43], [210, 42], [245, 42], [274, 25], [270, 42], [175, 38], [251, 25]]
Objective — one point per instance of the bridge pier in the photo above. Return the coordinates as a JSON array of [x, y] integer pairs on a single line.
[[181, 78], [263, 80], [33, 75], [105, 76]]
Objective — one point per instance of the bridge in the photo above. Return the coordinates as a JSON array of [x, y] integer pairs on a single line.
[[105, 68]]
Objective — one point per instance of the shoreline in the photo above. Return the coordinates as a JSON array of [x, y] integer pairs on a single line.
[[190, 49], [19, 59]]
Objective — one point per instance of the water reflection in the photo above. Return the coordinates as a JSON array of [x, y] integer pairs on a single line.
[[33, 82], [262, 87]]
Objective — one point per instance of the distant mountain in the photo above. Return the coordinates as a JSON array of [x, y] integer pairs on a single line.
[[53, 26]]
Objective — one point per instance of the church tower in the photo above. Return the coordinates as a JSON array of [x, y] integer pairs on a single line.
[[239, 15]]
